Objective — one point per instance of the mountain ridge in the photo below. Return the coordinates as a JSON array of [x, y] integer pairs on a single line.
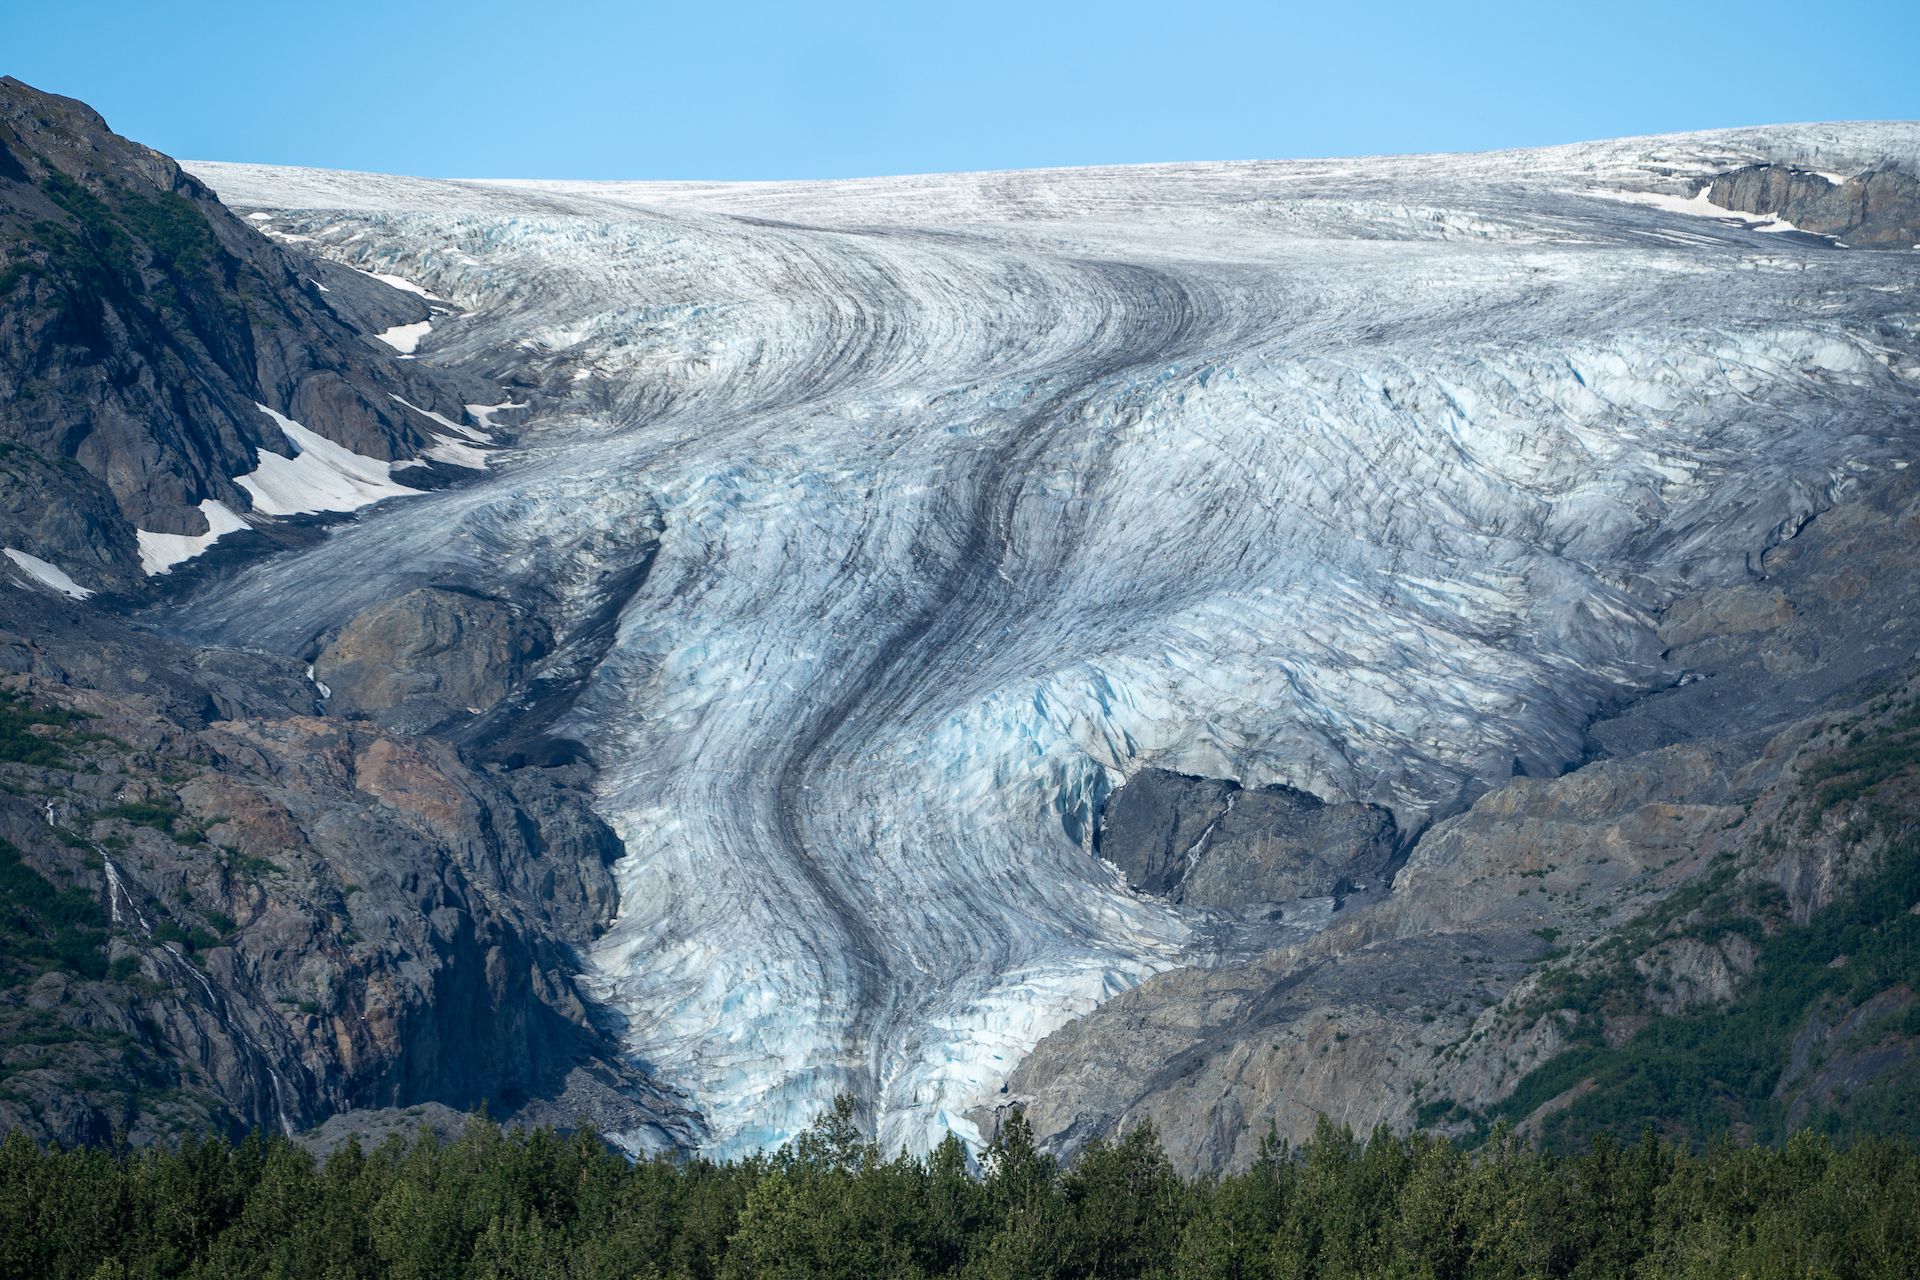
[[148, 331], [744, 736]]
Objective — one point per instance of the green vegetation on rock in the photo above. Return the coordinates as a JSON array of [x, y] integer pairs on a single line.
[[1708, 1071], [1746, 1067], [20, 744], [43, 928]]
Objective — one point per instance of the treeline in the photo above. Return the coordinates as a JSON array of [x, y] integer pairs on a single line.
[[537, 1205]]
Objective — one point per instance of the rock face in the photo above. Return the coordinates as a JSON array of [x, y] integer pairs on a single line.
[[141, 324], [1152, 826], [1878, 208], [1207, 842], [1431, 995], [305, 915], [428, 656]]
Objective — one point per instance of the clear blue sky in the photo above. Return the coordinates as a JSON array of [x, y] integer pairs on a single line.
[[548, 88]]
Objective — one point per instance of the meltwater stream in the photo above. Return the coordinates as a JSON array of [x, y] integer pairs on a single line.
[[967, 497]]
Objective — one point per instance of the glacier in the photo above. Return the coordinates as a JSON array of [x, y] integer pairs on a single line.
[[967, 496]]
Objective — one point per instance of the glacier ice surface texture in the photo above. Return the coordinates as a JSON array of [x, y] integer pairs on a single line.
[[975, 494]]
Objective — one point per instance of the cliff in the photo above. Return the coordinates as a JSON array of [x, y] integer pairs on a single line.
[[143, 327]]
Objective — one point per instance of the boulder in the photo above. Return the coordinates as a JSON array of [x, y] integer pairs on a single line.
[[429, 657]]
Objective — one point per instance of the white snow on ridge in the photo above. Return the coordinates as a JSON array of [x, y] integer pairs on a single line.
[[451, 450], [477, 437], [47, 575], [404, 285], [1698, 205], [160, 552], [405, 337], [484, 414], [977, 493], [457, 450], [321, 476]]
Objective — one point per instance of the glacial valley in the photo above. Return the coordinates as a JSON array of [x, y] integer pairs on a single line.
[[1079, 638], [965, 499]]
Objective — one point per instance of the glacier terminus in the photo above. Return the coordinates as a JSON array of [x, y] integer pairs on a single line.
[[913, 516]]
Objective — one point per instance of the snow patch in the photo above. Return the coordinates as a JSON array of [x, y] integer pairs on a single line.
[[443, 420], [322, 476], [403, 284], [1699, 206], [47, 575], [483, 413], [450, 450], [159, 552], [405, 337]]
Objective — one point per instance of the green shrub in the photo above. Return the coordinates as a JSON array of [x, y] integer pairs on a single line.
[[45, 929]]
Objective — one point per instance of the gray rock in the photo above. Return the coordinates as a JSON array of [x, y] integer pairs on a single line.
[[1876, 209], [1834, 606], [1207, 842], [373, 1127], [1151, 825], [429, 656], [326, 916], [1278, 843], [369, 305]]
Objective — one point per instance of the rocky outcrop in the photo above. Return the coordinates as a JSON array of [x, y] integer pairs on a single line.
[[1428, 1004], [300, 915], [1825, 610], [429, 656], [141, 323], [1837, 1056], [1878, 208], [1151, 826], [1209, 843]]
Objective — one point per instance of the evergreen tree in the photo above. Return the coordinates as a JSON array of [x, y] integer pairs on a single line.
[[498, 1204]]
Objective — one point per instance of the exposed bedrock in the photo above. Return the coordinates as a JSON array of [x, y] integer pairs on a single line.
[[305, 915], [1429, 994], [1878, 208], [429, 656], [1208, 842], [142, 323]]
